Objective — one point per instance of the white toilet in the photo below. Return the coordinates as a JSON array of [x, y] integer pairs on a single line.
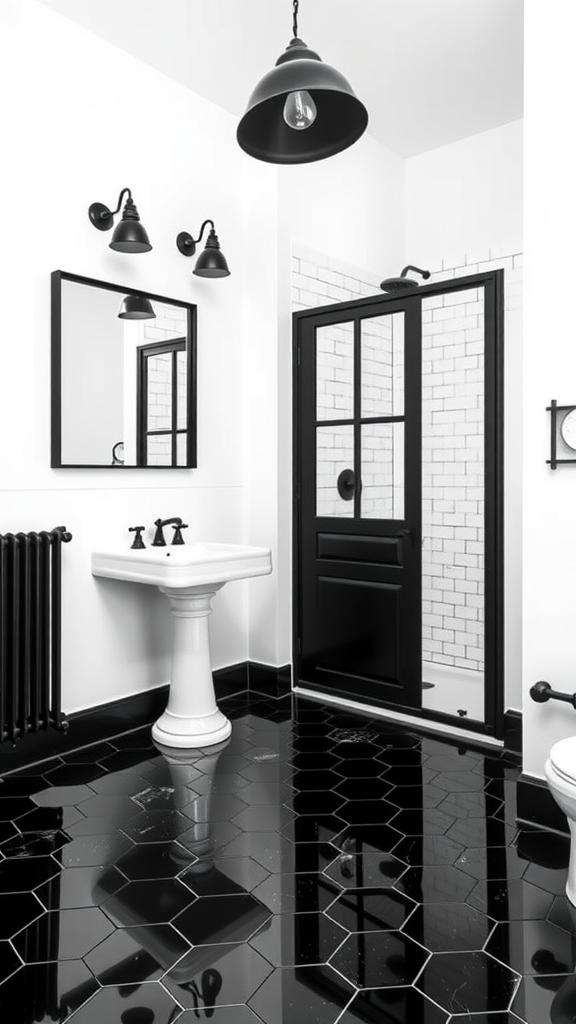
[[560, 772]]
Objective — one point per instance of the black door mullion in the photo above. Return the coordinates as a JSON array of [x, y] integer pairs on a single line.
[[357, 390]]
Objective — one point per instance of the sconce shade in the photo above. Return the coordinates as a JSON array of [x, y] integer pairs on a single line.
[[211, 261], [136, 307], [130, 236], [341, 119]]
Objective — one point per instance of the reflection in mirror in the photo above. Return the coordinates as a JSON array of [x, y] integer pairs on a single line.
[[123, 377]]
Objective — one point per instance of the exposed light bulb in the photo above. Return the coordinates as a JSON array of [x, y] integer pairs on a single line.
[[299, 110]]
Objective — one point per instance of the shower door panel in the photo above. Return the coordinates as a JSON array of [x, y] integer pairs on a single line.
[[358, 436]]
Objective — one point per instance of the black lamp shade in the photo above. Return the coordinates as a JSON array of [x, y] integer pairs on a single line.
[[211, 263], [130, 236], [341, 119], [136, 307]]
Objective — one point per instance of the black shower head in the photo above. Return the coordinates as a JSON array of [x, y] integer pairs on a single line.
[[403, 283]]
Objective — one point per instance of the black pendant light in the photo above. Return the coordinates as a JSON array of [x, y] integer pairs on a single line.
[[136, 307], [129, 235], [211, 261], [303, 110]]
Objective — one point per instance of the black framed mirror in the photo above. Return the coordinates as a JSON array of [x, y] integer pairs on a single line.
[[123, 377]]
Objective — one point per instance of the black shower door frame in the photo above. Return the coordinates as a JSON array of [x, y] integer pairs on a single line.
[[492, 283]]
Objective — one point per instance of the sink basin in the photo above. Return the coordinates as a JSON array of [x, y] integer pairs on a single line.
[[189, 565], [189, 575]]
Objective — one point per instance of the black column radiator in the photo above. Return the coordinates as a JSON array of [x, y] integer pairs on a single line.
[[30, 634]]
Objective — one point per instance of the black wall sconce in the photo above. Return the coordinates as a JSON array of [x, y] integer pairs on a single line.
[[129, 235], [136, 307], [211, 261], [303, 110]]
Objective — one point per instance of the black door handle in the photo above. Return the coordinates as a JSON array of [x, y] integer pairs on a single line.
[[346, 484]]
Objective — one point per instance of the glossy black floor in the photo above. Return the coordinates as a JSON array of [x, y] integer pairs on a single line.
[[320, 868]]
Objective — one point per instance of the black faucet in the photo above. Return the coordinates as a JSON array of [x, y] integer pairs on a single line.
[[159, 541]]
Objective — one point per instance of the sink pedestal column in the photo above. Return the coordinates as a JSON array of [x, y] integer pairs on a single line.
[[192, 717]]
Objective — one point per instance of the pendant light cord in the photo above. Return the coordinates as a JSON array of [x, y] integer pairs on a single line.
[[295, 21]]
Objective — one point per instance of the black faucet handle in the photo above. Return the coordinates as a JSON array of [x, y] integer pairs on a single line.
[[178, 538], [137, 542]]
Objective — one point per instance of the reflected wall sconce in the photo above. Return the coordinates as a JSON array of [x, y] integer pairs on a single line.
[[129, 235], [303, 110], [211, 261], [136, 307]]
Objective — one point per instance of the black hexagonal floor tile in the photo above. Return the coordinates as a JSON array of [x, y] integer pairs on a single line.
[[296, 893], [462, 782], [427, 850], [131, 956], [216, 976], [513, 900], [435, 883], [275, 853], [316, 994], [14, 807], [365, 870], [367, 812], [316, 802], [379, 959], [22, 785], [274, 771], [533, 947], [429, 821], [307, 828], [448, 927], [481, 832], [35, 844], [154, 860], [408, 797], [367, 839], [363, 789], [26, 875], [18, 910], [361, 768], [228, 876], [468, 982], [121, 783], [324, 779], [62, 935], [409, 775], [130, 1004], [492, 862], [62, 796], [551, 879], [404, 1005], [7, 831], [391, 757], [544, 999], [9, 961], [213, 919], [156, 826], [73, 774], [155, 901], [364, 910], [455, 762], [263, 818], [69, 983], [470, 805], [81, 887], [222, 1015], [89, 755], [50, 819], [294, 940], [94, 850]]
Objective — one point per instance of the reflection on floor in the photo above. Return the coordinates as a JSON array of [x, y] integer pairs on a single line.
[[318, 868]]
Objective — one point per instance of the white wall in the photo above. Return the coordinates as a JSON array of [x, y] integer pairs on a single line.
[[549, 372], [466, 196], [80, 120]]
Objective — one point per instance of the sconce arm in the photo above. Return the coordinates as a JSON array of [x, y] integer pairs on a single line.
[[125, 191], [187, 245]]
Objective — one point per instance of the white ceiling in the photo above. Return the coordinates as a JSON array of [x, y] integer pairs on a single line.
[[429, 71]]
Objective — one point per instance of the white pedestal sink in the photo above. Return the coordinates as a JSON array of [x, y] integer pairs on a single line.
[[189, 576]]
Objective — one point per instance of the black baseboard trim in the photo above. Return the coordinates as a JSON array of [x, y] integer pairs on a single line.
[[537, 806], [513, 730], [274, 682], [105, 721]]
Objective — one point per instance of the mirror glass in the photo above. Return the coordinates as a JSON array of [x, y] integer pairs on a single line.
[[123, 377]]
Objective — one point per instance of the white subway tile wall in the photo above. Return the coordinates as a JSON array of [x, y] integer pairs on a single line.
[[452, 433]]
